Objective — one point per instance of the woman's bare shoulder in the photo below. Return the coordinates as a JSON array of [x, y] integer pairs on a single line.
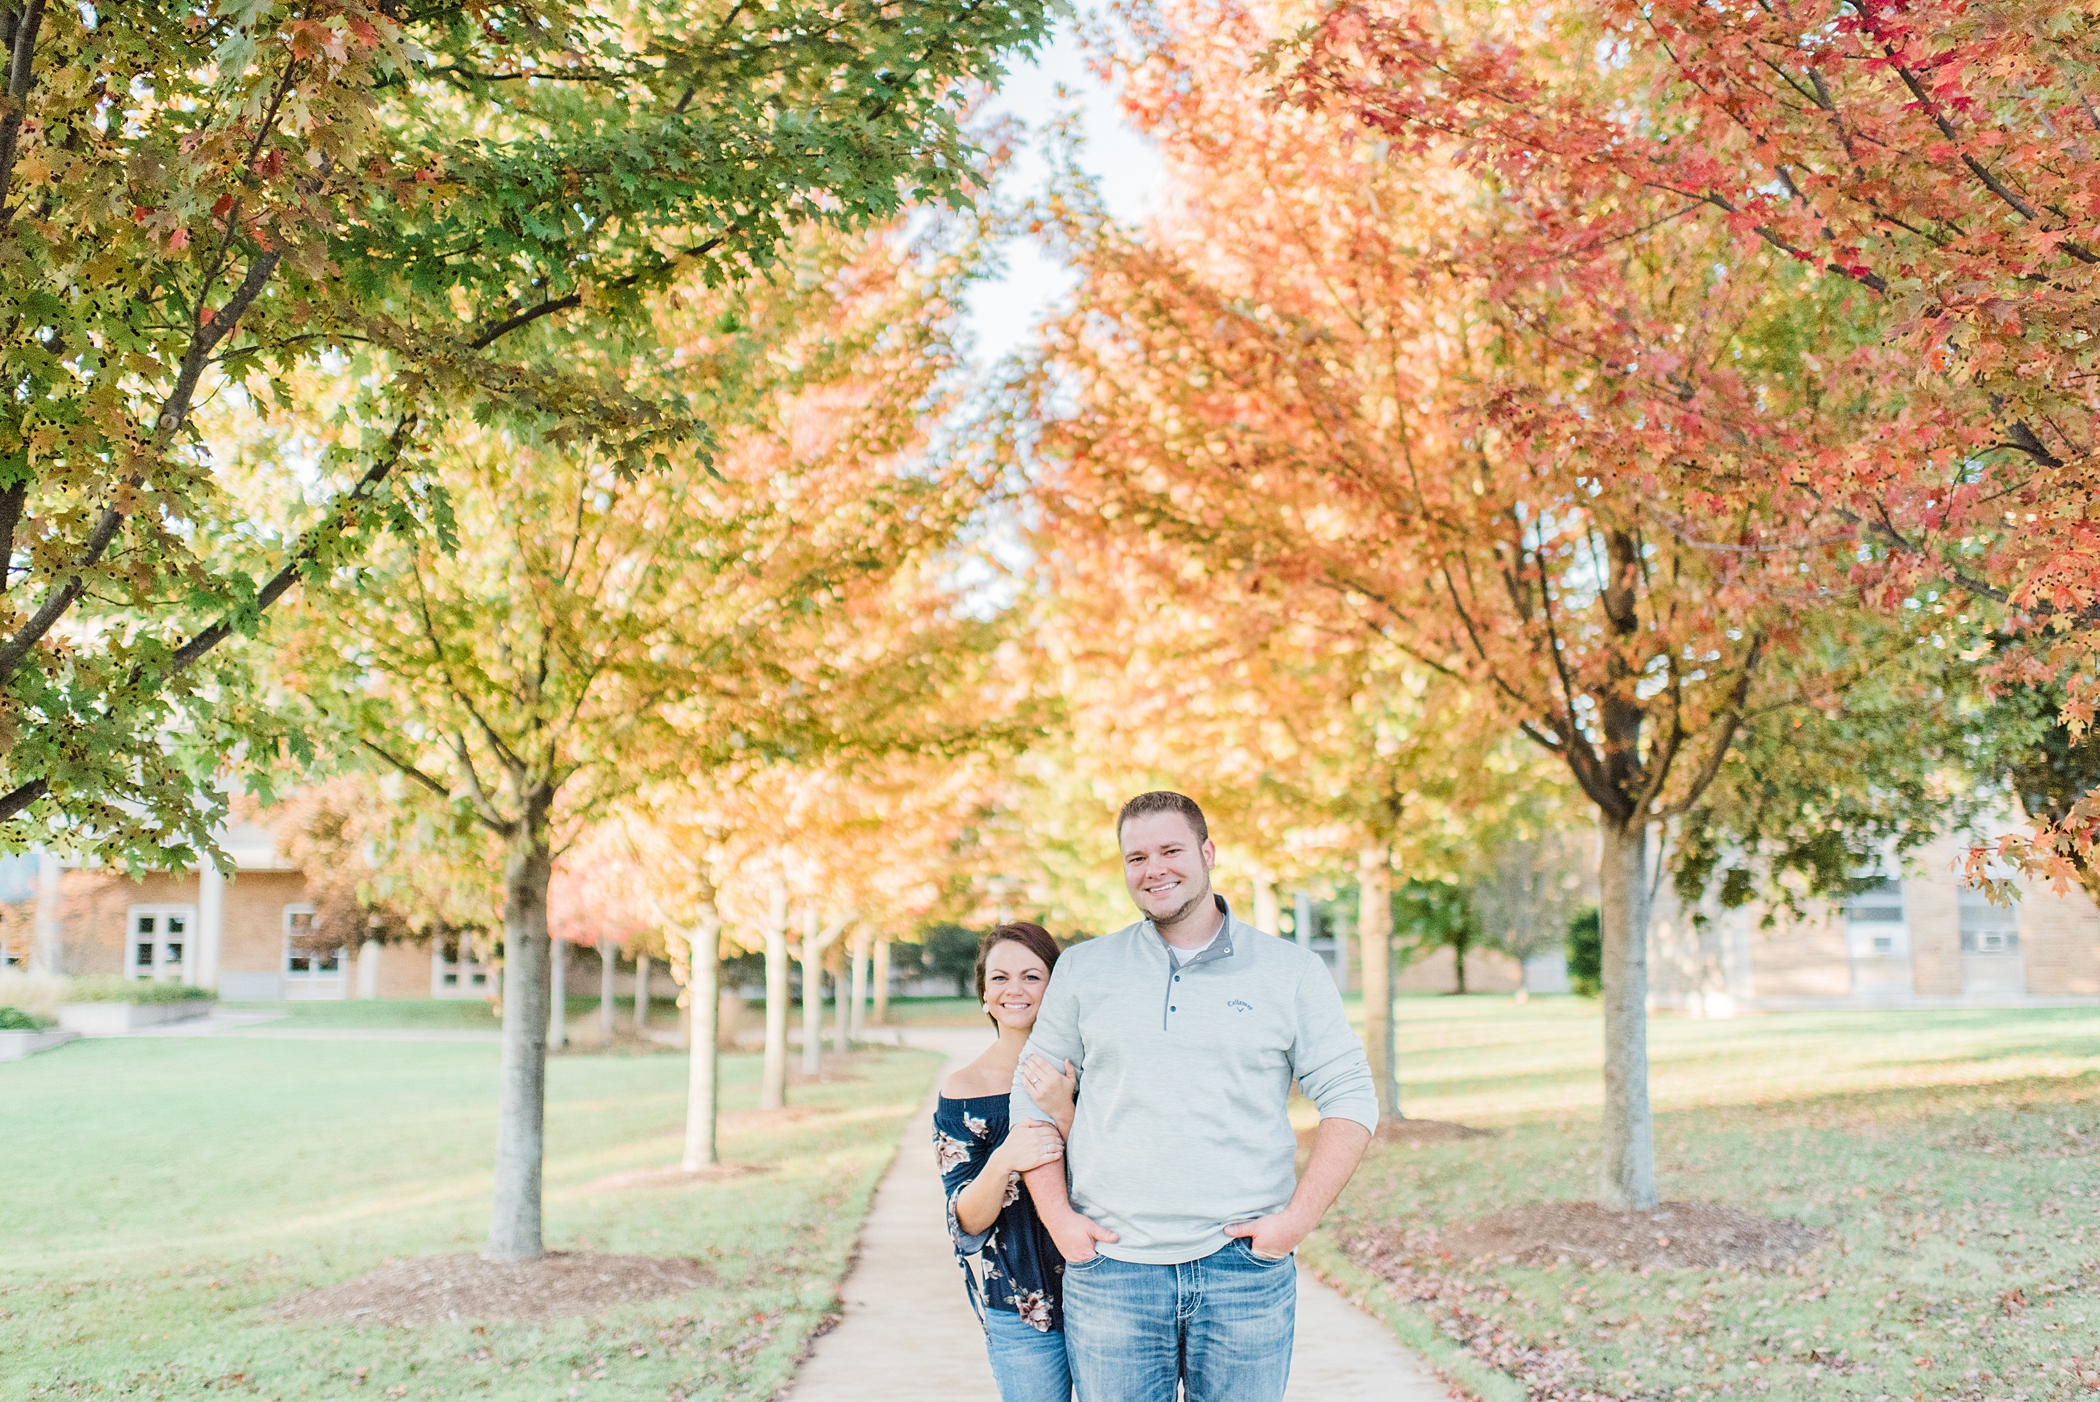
[[980, 1077]]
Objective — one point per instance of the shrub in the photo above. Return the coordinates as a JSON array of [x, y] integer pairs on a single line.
[[36, 994], [131, 990], [1586, 952], [15, 1020]]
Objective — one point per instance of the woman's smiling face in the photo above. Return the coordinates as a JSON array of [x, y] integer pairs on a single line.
[[1015, 978]]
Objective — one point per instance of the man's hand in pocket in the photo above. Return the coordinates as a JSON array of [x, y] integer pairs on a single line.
[[1075, 1235], [1273, 1237]]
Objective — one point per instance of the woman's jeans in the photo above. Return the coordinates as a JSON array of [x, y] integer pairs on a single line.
[[1028, 1364], [1221, 1325]]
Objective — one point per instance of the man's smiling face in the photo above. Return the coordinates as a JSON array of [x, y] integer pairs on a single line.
[[1165, 867]]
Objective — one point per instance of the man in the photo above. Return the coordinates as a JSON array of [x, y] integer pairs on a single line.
[[1187, 1030]]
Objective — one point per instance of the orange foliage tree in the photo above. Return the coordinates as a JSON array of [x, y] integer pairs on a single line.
[[1932, 167], [591, 631], [1325, 377]]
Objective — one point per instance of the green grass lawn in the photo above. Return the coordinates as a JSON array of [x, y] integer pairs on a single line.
[[163, 1193], [392, 1015], [449, 1015], [936, 1012], [1954, 1157]]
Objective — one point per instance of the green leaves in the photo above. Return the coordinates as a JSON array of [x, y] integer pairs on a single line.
[[408, 219]]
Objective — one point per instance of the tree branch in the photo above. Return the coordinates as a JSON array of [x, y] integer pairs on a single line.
[[309, 546], [489, 336], [173, 411], [1730, 724], [22, 797], [21, 68]]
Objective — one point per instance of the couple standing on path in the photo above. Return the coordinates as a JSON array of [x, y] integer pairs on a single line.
[[1158, 1063]]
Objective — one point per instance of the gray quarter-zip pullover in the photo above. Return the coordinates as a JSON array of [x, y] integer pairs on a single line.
[[1184, 1077]]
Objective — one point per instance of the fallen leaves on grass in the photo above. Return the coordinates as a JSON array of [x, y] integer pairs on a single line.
[[1670, 1236], [429, 1289], [1549, 1374]]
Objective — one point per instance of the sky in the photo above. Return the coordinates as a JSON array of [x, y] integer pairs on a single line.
[[1003, 312]]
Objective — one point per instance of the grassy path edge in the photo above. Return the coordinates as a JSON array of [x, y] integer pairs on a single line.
[[1469, 1376]]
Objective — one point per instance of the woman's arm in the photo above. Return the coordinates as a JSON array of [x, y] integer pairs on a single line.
[[1027, 1146]]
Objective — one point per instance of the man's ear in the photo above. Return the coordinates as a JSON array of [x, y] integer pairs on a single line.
[[1210, 854]]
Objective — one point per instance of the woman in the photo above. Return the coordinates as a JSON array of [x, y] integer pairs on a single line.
[[981, 1161]]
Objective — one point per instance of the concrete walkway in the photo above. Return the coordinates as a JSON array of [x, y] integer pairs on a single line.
[[908, 1334]]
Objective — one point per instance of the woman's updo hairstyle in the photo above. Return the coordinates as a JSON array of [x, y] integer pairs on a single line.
[[1029, 935]]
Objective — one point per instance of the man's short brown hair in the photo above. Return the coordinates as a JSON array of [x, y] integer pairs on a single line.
[[1164, 801]]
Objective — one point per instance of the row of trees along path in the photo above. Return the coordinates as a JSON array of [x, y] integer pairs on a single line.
[[1436, 350], [488, 261]]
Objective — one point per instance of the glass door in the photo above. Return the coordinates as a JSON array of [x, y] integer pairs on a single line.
[[159, 941]]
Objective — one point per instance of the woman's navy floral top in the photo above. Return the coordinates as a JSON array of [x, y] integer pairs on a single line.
[[1022, 1268]]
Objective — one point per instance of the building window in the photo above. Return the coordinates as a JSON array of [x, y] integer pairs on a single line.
[[158, 940], [310, 971], [1874, 924], [1987, 928], [456, 972]]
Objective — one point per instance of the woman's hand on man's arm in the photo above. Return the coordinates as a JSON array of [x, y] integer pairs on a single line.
[[1055, 1093]]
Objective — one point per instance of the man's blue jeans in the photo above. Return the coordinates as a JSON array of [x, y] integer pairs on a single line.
[[1221, 1325]]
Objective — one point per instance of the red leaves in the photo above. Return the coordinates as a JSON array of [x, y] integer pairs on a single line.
[[1933, 153]]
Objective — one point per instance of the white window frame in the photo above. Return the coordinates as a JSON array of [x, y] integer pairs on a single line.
[[2001, 923], [460, 976], [1880, 939], [312, 982], [161, 966]]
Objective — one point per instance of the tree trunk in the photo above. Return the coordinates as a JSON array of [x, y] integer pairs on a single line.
[[641, 992], [860, 986], [703, 988], [1374, 923], [1267, 917], [521, 1104], [50, 916], [608, 969], [812, 995], [1458, 960], [882, 983], [1629, 1131], [842, 1011], [772, 1086], [557, 994]]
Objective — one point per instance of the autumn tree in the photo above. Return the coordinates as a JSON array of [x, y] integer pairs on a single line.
[[1929, 167], [1335, 374], [370, 874], [430, 204], [562, 631]]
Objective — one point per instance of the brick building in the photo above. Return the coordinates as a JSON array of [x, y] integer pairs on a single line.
[[1920, 939], [248, 935]]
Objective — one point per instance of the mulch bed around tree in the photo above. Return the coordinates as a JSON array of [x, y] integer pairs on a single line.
[[433, 1289], [1670, 1236]]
